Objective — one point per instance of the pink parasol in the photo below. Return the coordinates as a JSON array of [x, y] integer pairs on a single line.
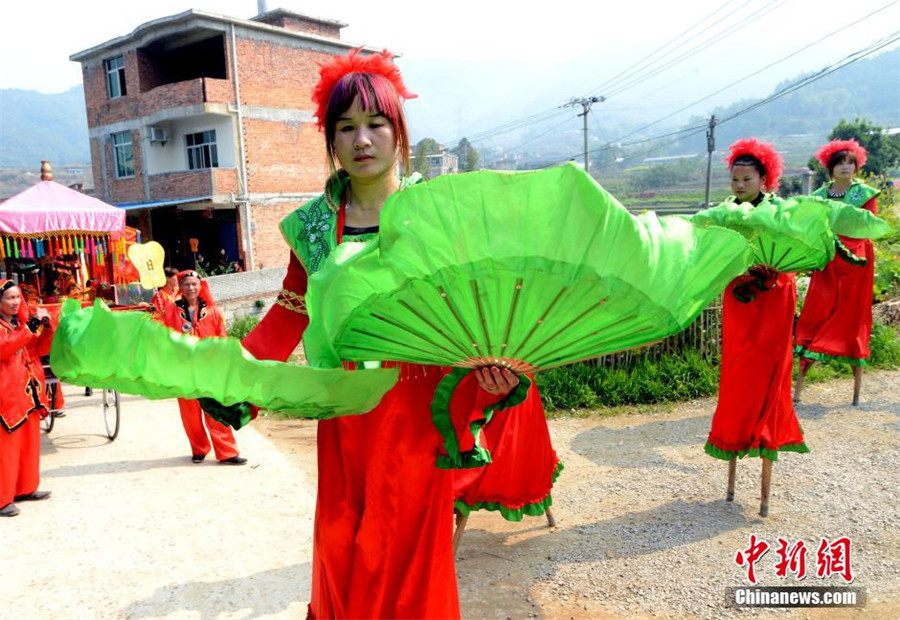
[[49, 207]]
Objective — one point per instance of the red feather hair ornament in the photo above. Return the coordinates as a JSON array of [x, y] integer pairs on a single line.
[[835, 146], [330, 73], [765, 153]]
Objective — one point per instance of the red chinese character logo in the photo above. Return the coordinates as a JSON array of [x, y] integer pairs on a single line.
[[791, 560], [834, 559], [751, 556]]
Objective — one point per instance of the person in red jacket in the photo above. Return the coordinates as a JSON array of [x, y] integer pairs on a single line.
[[21, 395], [167, 294], [195, 313]]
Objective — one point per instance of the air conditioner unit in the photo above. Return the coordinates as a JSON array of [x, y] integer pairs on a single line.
[[158, 134]]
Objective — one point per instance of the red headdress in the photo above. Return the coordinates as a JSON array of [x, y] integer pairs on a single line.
[[330, 74], [762, 151], [205, 293], [836, 146]]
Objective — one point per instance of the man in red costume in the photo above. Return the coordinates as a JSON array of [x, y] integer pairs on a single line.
[[196, 314], [21, 395]]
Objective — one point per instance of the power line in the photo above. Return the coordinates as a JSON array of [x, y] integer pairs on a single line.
[[699, 48], [634, 66], [844, 62], [757, 72]]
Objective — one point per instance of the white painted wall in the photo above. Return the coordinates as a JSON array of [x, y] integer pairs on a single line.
[[173, 156]]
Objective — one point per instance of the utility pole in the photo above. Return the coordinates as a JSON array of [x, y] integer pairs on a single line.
[[710, 147], [585, 103]]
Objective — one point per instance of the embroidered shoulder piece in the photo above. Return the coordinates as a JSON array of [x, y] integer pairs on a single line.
[[292, 301]]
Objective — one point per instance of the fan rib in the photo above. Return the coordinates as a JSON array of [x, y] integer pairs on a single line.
[[567, 326], [411, 330], [540, 320], [425, 320], [512, 310], [484, 330], [458, 318], [403, 344]]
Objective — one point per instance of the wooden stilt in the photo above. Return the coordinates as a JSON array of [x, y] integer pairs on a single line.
[[460, 528], [766, 484], [551, 520], [857, 384], [798, 387], [732, 468]]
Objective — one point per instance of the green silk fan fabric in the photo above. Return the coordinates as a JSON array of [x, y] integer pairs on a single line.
[[796, 234], [127, 351], [529, 270]]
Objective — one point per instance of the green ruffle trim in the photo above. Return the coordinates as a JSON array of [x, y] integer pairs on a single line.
[[440, 416], [772, 455], [534, 509], [842, 251], [801, 351]]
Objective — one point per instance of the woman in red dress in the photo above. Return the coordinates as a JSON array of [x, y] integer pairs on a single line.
[[383, 530], [755, 415], [22, 399], [167, 294], [836, 320], [196, 314]]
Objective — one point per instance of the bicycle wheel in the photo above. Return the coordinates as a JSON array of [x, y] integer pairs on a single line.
[[111, 413]]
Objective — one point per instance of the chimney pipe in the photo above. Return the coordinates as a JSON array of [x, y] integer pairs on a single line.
[[261, 7]]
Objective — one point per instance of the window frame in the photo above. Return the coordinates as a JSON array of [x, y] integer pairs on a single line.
[[115, 74], [127, 142], [202, 155]]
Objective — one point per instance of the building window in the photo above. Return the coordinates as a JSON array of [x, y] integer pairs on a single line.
[[124, 154], [201, 150], [115, 77]]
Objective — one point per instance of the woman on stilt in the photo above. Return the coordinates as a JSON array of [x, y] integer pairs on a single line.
[[755, 415], [836, 320]]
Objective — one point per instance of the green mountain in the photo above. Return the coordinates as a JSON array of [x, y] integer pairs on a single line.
[[866, 89], [35, 126]]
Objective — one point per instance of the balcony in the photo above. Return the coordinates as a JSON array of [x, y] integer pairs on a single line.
[[194, 92], [193, 183]]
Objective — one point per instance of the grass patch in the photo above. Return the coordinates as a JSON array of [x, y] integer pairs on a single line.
[[653, 386]]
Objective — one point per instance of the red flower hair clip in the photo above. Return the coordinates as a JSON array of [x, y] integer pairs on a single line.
[[835, 146], [330, 74], [762, 151]]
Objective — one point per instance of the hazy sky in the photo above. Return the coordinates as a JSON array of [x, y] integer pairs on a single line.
[[474, 62]]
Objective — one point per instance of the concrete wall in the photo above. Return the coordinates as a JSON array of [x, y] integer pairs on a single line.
[[237, 293]]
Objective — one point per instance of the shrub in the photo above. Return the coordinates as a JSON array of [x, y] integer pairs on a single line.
[[242, 326]]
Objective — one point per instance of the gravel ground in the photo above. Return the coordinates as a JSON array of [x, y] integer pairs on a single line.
[[645, 531]]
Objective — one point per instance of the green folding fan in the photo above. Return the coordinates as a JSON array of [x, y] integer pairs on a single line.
[[525, 270], [796, 234], [126, 351]]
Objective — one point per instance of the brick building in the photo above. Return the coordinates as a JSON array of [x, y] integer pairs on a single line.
[[201, 127]]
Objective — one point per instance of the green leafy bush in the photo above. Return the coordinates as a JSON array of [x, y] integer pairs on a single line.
[[242, 326]]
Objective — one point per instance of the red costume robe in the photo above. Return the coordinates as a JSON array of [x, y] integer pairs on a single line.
[[755, 414], [525, 466], [383, 531], [208, 322], [21, 394], [836, 320]]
